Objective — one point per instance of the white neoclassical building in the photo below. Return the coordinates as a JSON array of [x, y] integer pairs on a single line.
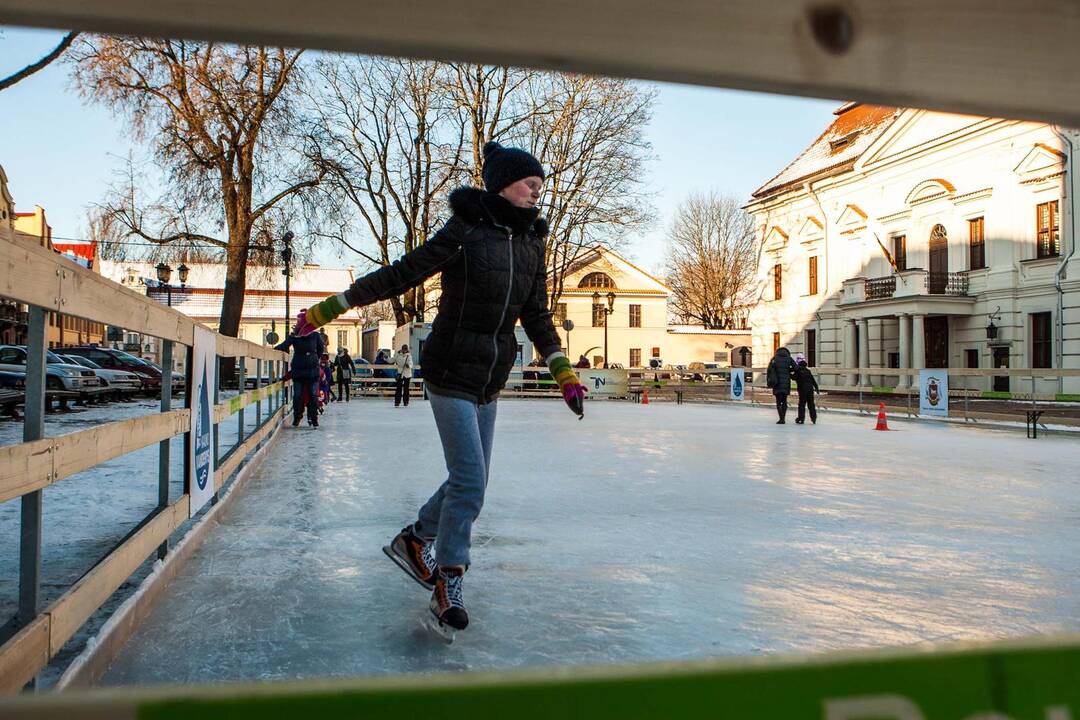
[[907, 238]]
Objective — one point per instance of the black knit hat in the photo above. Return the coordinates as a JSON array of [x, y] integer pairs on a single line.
[[505, 166]]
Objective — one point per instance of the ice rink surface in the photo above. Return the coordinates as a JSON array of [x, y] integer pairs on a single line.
[[642, 533]]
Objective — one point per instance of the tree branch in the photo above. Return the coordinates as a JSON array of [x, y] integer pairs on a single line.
[[31, 69]]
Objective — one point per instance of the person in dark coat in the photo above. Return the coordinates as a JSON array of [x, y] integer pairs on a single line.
[[304, 372], [778, 377], [583, 363], [807, 385], [491, 257], [346, 368]]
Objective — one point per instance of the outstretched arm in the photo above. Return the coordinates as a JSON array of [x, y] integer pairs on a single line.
[[390, 281], [536, 319]]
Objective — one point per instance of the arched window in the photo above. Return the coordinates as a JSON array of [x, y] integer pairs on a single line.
[[596, 280]]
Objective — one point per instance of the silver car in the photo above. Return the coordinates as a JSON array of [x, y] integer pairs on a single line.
[[58, 374], [116, 382]]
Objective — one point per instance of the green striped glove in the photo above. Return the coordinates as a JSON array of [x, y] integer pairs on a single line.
[[573, 391], [321, 313]]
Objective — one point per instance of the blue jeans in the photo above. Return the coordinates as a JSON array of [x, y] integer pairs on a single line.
[[466, 430], [312, 406]]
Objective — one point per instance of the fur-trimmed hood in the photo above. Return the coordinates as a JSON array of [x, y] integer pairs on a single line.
[[474, 205]]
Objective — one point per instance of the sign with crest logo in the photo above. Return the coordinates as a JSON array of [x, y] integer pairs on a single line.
[[934, 393]]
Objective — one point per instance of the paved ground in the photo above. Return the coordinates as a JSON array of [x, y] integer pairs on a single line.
[[641, 533]]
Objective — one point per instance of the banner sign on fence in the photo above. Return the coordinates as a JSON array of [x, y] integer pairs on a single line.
[[738, 383], [934, 393], [201, 466], [605, 383]]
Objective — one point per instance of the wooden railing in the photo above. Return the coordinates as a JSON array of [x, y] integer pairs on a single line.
[[46, 281]]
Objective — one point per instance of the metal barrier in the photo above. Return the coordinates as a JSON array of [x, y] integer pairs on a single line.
[[48, 282]]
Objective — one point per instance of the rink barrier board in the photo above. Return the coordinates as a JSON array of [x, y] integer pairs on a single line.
[[52, 282], [1036, 679]]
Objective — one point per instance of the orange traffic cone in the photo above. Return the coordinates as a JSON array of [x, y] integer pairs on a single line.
[[645, 397], [882, 423]]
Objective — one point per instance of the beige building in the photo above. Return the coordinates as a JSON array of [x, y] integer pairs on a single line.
[[913, 239]]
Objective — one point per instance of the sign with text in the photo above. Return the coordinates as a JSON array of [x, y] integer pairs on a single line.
[[201, 464], [738, 383], [604, 383], [934, 393]]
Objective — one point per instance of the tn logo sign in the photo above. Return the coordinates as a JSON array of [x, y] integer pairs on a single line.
[[897, 707]]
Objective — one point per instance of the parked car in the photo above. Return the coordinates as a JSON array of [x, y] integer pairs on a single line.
[[705, 371], [12, 387], [111, 359], [118, 383], [58, 374], [178, 379]]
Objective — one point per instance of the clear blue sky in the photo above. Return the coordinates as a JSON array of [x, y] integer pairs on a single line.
[[62, 154]]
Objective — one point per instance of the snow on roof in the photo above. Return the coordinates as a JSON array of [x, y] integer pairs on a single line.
[[856, 127]]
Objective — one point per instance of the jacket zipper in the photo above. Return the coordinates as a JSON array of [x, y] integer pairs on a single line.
[[506, 304]]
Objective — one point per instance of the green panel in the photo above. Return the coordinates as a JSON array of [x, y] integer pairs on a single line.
[[1066, 397], [995, 395], [883, 390], [1039, 682]]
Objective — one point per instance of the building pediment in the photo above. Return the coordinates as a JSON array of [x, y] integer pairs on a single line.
[[811, 228], [853, 217], [1040, 161], [776, 239], [930, 190], [919, 130]]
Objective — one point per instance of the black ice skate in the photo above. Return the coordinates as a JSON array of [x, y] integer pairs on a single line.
[[448, 605], [414, 555]]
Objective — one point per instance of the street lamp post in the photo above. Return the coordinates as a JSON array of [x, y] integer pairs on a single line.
[[286, 257], [607, 314], [164, 274]]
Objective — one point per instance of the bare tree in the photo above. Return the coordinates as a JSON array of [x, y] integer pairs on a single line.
[[588, 132], [221, 123], [383, 130], [64, 44], [711, 260]]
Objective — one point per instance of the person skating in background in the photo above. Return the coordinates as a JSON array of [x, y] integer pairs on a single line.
[[778, 377], [404, 366], [304, 372], [807, 386], [346, 368], [326, 381], [491, 257], [583, 363]]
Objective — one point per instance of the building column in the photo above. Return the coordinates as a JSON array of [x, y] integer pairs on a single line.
[[864, 351], [904, 380], [918, 346], [849, 350]]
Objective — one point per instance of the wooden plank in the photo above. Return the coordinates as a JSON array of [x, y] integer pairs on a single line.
[[237, 456], [74, 607], [24, 655], [235, 347], [25, 279], [82, 450], [25, 467], [964, 56], [231, 406]]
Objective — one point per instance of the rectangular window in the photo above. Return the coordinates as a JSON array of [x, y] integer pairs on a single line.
[[811, 348], [560, 313], [813, 275], [894, 360], [598, 315], [656, 352], [1041, 336], [778, 282], [1046, 229], [343, 338], [635, 316], [976, 245], [775, 342], [971, 358], [635, 357], [899, 251]]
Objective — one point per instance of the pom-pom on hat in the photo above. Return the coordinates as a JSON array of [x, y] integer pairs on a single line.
[[504, 166]]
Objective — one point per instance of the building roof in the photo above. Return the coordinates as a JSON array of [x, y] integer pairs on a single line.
[[855, 128]]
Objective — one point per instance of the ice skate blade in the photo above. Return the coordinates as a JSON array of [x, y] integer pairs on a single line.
[[401, 563], [445, 633]]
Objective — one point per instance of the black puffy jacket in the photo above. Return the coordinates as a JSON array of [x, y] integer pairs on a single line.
[[306, 353], [491, 255], [780, 372]]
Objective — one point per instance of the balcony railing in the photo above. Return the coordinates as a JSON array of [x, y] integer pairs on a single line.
[[880, 288], [946, 283]]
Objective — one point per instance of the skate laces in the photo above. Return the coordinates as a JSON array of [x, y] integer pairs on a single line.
[[455, 586], [427, 553]]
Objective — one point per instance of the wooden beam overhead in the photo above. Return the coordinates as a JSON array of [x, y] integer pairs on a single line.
[[986, 57]]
